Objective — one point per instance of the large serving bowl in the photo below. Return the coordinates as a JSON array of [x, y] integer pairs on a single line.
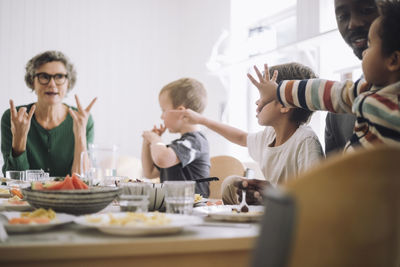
[[75, 202], [156, 198]]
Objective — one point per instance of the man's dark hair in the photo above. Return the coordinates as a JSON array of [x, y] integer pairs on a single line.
[[294, 71], [389, 28]]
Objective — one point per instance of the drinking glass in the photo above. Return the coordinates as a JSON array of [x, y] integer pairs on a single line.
[[179, 196], [134, 197], [98, 163], [18, 178], [36, 175]]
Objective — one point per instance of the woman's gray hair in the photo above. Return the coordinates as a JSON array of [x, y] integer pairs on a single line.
[[46, 57]]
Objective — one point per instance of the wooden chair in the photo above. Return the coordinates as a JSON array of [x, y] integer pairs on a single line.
[[346, 213], [222, 167]]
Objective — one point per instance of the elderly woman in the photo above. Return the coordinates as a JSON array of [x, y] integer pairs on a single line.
[[48, 134]]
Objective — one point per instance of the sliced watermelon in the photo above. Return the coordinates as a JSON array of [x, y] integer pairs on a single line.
[[54, 186], [37, 185], [78, 183], [67, 184]]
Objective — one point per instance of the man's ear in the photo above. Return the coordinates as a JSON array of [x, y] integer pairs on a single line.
[[393, 64]]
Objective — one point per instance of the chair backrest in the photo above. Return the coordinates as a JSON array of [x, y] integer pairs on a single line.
[[348, 211], [275, 238], [345, 212], [222, 167]]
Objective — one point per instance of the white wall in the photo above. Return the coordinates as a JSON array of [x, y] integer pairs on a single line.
[[124, 51]]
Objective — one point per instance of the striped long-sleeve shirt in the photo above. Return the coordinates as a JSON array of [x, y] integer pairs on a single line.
[[376, 109]]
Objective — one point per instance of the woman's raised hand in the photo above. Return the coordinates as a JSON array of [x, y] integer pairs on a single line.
[[20, 125], [266, 86], [81, 117]]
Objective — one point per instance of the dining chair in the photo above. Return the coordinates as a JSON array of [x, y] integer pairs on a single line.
[[344, 212], [223, 166]]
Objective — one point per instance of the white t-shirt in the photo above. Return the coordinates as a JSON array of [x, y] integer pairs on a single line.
[[278, 164]]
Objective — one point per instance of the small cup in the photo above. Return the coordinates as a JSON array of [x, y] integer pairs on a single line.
[[16, 175], [18, 179], [179, 196], [134, 197], [36, 175]]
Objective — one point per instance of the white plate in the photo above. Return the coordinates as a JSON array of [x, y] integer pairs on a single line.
[[225, 213], [7, 206], [3, 190], [176, 225], [62, 218]]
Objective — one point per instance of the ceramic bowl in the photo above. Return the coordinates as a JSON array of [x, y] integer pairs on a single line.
[[75, 202]]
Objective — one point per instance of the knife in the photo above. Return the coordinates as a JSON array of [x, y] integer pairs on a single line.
[[208, 179]]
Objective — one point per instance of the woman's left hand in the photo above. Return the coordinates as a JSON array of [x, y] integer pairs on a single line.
[[80, 117]]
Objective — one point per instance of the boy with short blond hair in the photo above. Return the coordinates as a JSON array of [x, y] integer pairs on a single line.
[[186, 158]]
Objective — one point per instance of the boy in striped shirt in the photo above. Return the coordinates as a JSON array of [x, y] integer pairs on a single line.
[[374, 100]]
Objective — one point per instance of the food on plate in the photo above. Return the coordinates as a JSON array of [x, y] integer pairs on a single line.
[[38, 216], [131, 219], [235, 210], [4, 191], [69, 183], [16, 192], [16, 200], [214, 203], [197, 198]]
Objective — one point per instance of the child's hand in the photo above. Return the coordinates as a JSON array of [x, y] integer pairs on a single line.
[[190, 116], [160, 130], [151, 137], [266, 86]]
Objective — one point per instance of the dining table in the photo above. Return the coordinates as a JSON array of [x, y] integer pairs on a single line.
[[210, 243]]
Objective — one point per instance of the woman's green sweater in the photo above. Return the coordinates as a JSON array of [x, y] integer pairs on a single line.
[[49, 150]]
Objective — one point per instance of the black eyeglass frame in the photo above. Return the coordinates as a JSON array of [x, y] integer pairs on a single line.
[[56, 77]]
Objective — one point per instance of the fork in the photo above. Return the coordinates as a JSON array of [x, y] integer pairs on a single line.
[[243, 207]]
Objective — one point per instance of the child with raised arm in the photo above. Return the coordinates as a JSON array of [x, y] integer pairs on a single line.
[[283, 149], [186, 158], [375, 101]]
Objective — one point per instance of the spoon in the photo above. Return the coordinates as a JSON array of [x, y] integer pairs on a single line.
[[243, 207]]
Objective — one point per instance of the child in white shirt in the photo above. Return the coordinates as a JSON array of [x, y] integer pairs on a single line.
[[283, 149]]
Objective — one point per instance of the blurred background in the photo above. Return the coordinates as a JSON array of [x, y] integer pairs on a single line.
[[126, 50]]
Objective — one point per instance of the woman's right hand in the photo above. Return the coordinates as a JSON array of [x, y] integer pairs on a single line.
[[20, 125]]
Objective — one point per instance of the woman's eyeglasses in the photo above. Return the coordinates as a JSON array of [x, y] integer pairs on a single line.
[[44, 78]]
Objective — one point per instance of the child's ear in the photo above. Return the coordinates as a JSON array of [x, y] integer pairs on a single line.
[[284, 109], [394, 61]]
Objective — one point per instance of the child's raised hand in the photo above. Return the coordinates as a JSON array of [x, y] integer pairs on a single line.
[[151, 137], [189, 116], [160, 130], [266, 86]]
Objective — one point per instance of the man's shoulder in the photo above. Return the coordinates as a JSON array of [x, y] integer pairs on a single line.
[[340, 120]]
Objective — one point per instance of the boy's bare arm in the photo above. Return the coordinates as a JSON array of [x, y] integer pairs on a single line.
[[149, 171], [161, 155], [233, 134]]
